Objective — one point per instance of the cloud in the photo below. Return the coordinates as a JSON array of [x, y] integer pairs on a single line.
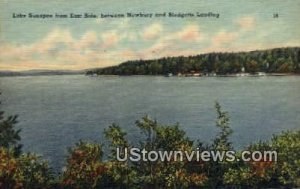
[[88, 39], [130, 36], [55, 37], [246, 23], [59, 47], [60, 50], [223, 37], [61, 40], [111, 38], [248, 47], [152, 31], [190, 33]]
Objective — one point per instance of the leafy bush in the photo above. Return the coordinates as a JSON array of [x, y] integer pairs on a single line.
[[26, 171], [283, 172], [151, 174], [84, 167]]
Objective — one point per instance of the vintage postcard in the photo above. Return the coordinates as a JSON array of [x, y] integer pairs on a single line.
[[149, 94]]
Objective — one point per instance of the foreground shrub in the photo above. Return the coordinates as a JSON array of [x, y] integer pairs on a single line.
[[119, 174], [152, 174], [26, 171], [283, 172], [84, 167]]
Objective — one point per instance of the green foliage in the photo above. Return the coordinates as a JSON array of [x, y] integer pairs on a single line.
[[215, 170], [287, 168], [221, 142], [151, 174], [9, 136], [252, 66], [26, 171], [283, 172], [116, 138], [164, 138], [272, 60], [84, 167], [119, 174], [172, 138]]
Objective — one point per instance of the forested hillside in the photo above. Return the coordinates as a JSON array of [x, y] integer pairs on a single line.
[[279, 60]]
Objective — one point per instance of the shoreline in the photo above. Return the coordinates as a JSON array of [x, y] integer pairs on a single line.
[[228, 75], [179, 76]]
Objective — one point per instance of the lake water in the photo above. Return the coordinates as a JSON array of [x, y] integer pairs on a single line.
[[55, 112]]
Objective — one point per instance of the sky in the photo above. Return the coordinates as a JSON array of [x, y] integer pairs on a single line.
[[75, 44]]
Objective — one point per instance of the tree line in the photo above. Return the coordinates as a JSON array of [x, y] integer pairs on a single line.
[[278, 60]]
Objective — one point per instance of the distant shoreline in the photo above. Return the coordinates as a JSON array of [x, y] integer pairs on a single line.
[[271, 61], [39, 73], [229, 75]]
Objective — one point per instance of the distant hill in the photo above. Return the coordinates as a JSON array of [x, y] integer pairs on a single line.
[[40, 72], [278, 60]]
